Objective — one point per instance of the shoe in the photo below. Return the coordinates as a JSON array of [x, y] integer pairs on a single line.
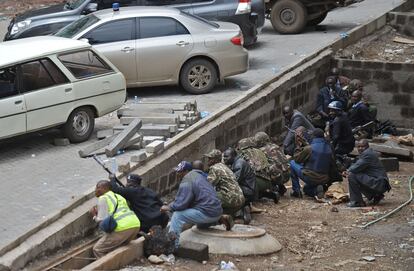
[[227, 221], [320, 193], [354, 204], [282, 189], [246, 215], [276, 197], [296, 194], [376, 199]]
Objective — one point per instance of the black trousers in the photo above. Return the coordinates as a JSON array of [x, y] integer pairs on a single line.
[[362, 184]]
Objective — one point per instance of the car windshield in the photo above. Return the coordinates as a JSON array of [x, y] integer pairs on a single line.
[[77, 26], [199, 19], [73, 4]]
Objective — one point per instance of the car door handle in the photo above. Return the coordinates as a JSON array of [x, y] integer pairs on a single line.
[[68, 89], [182, 43], [127, 49], [18, 102]]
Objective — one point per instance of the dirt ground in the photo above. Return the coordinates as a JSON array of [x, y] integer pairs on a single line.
[[381, 46], [316, 238]]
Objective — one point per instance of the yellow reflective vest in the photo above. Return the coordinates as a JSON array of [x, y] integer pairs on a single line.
[[125, 218]]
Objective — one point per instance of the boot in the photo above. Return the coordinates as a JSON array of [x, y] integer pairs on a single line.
[[246, 215], [227, 221]]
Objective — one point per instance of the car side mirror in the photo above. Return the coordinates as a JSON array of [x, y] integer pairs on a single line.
[[91, 7], [84, 40]]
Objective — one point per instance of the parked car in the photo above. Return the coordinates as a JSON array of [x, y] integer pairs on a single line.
[[155, 46], [51, 81], [248, 14]]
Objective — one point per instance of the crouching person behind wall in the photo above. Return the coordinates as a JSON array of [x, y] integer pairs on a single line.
[[127, 223]]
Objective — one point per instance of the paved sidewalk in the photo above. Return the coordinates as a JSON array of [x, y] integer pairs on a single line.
[[39, 178]]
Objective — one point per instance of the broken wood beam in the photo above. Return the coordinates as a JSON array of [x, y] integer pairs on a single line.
[[392, 151]]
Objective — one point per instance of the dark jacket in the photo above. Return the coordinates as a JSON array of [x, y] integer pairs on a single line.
[[196, 192], [340, 130], [359, 115], [369, 164], [325, 98], [297, 119], [143, 201], [245, 176]]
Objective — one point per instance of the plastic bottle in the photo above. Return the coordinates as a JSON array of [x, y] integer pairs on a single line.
[[135, 99]]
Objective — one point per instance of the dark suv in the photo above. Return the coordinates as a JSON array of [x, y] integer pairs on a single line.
[[248, 14]]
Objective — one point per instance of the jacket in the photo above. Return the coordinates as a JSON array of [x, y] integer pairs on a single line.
[[325, 98], [197, 193], [297, 119], [245, 176], [341, 133], [359, 115]]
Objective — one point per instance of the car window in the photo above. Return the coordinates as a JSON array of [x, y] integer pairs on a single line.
[[151, 27], [56, 74], [199, 19], [102, 4], [74, 4], [8, 82], [35, 76], [77, 26], [166, 2], [111, 32], [84, 64]]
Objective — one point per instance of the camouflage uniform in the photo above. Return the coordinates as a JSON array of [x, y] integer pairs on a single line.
[[279, 168], [259, 163], [224, 181]]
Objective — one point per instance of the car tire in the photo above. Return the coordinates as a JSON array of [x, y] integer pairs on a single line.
[[288, 16], [198, 76], [80, 124], [317, 20]]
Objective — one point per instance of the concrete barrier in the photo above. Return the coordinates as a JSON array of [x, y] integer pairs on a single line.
[[259, 110]]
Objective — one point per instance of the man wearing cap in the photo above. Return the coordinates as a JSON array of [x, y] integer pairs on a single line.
[[329, 93], [143, 201], [127, 223], [196, 201], [224, 181], [340, 130]]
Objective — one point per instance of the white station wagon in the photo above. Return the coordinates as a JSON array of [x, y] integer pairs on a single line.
[[50, 81]]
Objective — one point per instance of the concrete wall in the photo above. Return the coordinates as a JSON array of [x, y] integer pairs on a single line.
[[402, 21], [390, 86]]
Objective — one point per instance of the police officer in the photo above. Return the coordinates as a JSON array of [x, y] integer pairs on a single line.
[[340, 130]]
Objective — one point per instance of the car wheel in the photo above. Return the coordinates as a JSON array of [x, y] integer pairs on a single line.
[[317, 20], [80, 124], [198, 76], [288, 16]]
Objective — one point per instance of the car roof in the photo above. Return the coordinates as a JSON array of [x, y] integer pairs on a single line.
[[126, 12], [21, 50]]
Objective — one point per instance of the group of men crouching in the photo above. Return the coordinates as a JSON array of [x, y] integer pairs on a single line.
[[257, 168]]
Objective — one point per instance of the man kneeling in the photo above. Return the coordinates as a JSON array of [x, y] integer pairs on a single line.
[[196, 201]]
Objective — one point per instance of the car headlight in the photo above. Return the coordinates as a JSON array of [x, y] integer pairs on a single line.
[[17, 27]]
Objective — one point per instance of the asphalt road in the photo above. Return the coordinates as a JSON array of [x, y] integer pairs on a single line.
[[38, 178]]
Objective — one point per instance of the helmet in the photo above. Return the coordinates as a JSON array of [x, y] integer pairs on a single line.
[[214, 154], [335, 105], [261, 138], [246, 143]]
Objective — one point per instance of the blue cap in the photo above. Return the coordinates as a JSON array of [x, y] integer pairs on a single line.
[[115, 6], [183, 166]]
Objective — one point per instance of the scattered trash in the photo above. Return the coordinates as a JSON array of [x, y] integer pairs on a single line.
[[155, 259], [343, 35], [406, 246], [364, 249], [204, 262], [334, 209], [337, 192], [227, 265], [204, 114], [403, 40], [168, 259], [368, 258], [33, 155]]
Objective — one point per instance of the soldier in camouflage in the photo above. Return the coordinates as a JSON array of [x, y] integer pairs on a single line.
[[279, 164], [261, 165], [224, 181]]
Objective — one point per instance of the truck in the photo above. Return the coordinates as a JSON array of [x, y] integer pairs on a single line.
[[292, 16]]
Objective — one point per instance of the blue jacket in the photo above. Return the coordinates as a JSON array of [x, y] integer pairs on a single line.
[[196, 192], [321, 156], [324, 99]]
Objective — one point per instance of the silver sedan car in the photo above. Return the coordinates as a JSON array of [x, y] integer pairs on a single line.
[[154, 46]]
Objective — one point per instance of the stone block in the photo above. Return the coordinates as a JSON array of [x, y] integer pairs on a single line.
[[155, 130], [373, 65], [382, 75], [105, 133], [153, 119], [392, 150], [139, 157], [61, 142], [401, 99], [193, 251], [155, 146], [124, 168], [390, 163], [90, 149], [122, 138], [148, 139], [393, 66]]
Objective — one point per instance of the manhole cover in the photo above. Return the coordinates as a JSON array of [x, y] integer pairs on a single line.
[[238, 231]]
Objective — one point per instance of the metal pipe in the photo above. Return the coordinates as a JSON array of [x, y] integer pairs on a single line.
[[396, 209]]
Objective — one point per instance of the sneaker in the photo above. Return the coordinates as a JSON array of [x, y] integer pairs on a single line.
[[376, 199], [296, 194], [354, 204], [246, 215], [227, 221], [320, 193]]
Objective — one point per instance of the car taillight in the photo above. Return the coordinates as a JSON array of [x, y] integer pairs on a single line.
[[245, 6], [237, 40]]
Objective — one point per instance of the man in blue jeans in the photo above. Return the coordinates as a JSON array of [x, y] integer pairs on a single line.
[[196, 201], [312, 164]]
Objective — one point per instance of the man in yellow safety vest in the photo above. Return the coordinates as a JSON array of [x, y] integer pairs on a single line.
[[127, 223]]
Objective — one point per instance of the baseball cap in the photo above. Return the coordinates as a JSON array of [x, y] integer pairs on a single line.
[[215, 153], [183, 166], [134, 178]]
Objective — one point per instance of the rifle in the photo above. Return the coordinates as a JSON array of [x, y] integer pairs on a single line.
[[102, 164], [361, 127]]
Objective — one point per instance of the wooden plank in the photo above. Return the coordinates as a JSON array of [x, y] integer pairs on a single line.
[[392, 150]]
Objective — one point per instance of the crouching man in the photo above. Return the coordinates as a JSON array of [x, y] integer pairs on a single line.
[[367, 176], [196, 201], [127, 223]]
